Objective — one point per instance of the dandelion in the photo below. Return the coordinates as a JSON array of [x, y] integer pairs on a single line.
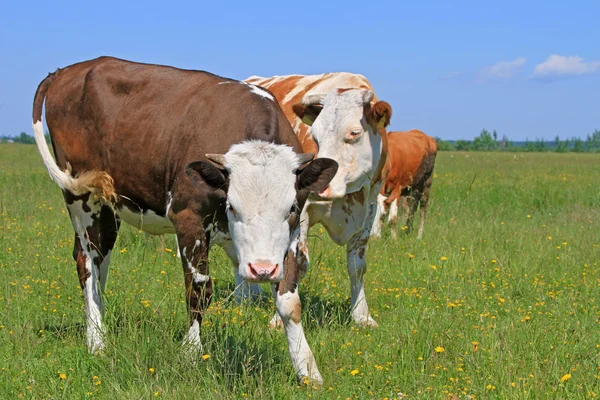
[[528, 216], [411, 256], [151, 370], [62, 376], [206, 356], [444, 258], [168, 250], [354, 372], [475, 346], [440, 349], [123, 250], [565, 378], [433, 267]]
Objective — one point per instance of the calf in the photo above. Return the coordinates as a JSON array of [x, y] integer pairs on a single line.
[[210, 159], [337, 115], [409, 174]]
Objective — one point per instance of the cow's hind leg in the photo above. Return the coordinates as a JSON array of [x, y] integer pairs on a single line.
[[96, 228]]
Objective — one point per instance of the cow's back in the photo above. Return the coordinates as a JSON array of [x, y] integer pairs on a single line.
[[407, 152], [290, 89], [143, 123]]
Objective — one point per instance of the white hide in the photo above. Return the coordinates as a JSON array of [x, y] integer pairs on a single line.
[[357, 155], [260, 196]]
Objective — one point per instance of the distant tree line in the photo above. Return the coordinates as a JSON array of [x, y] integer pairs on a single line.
[[23, 138], [487, 141]]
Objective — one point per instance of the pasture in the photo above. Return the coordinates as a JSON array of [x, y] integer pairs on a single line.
[[500, 300]]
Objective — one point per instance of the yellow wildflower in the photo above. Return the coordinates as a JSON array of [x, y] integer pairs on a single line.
[[62, 376], [565, 378], [440, 349], [206, 356], [354, 372]]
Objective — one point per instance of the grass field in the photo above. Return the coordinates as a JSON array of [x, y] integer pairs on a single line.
[[500, 300]]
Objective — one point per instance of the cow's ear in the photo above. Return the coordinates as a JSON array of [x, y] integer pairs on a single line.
[[316, 176], [381, 114], [205, 172], [307, 114]]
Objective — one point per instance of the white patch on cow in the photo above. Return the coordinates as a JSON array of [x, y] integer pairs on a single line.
[[149, 221], [82, 221], [262, 192], [169, 203], [295, 237], [259, 91], [253, 89], [376, 229], [197, 276], [302, 357], [393, 215], [192, 339]]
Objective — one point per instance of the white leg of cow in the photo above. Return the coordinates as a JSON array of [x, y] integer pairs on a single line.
[[376, 229], [356, 250], [290, 310], [96, 229], [393, 214]]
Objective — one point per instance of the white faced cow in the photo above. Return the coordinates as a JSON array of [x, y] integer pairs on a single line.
[[338, 116], [211, 159]]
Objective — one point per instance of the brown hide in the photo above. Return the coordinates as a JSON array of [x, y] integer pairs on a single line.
[[142, 123], [411, 158]]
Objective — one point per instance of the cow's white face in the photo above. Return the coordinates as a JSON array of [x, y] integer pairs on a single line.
[[345, 133], [267, 184]]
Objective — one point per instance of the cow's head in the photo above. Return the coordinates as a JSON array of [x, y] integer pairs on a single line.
[[345, 126], [266, 186]]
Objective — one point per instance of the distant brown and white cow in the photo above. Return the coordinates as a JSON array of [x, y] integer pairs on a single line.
[[337, 116], [409, 174], [167, 150]]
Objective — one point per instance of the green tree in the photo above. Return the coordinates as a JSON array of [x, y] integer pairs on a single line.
[[443, 145], [484, 142]]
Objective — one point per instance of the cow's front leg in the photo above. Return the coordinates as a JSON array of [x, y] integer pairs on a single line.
[[356, 256], [194, 245], [289, 308]]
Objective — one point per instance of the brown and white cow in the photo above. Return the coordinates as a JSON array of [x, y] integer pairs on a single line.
[[409, 175], [337, 116], [167, 150]]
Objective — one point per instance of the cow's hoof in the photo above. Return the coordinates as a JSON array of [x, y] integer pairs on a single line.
[[314, 380], [366, 322]]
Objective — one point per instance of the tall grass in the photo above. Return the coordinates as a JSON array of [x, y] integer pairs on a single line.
[[500, 300]]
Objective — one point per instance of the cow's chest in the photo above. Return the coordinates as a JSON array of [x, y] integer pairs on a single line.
[[342, 218], [147, 221]]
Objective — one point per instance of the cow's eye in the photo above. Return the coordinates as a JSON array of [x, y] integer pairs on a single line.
[[294, 209], [354, 134]]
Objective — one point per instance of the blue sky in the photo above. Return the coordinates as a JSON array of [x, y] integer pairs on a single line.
[[528, 69]]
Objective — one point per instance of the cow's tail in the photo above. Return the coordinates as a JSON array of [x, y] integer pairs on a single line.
[[99, 183]]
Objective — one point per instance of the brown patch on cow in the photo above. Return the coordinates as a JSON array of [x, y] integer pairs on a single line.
[[296, 314], [82, 271]]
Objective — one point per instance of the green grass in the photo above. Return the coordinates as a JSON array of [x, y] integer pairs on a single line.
[[510, 260]]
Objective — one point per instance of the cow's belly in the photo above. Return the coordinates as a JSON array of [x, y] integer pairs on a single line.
[[342, 218], [149, 221]]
